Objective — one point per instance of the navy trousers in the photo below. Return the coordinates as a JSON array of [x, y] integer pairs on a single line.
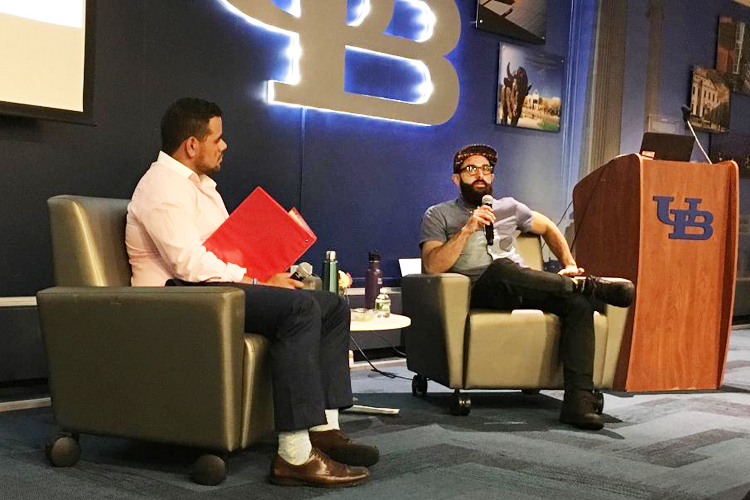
[[309, 335], [505, 286]]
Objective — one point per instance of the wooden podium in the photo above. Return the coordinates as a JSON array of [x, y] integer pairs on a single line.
[[671, 228]]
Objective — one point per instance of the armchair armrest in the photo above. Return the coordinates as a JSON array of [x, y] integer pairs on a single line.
[[617, 319], [162, 364], [438, 305], [617, 324]]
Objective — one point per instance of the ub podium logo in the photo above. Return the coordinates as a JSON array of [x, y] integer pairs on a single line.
[[682, 219], [320, 37]]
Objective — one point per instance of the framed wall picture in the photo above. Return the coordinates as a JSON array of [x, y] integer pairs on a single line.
[[529, 91], [710, 101], [521, 19], [733, 54]]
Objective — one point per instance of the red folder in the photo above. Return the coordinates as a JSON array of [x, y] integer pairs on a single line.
[[261, 236]]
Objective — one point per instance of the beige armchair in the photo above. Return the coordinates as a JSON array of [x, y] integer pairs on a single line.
[[484, 349], [170, 365]]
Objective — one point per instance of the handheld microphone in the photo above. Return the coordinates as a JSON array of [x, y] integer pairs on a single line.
[[686, 119], [489, 229], [304, 270]]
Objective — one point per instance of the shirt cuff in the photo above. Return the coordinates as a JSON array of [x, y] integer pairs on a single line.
[[233, 273]]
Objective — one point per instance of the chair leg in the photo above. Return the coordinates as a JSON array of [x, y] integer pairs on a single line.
[[600, 401], [63, 449], [460, 404], [419, 386], [210, 469]]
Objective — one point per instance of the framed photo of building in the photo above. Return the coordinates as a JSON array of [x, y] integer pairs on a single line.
[[710, 101], [521, 19], [529, 91], [733, 54]]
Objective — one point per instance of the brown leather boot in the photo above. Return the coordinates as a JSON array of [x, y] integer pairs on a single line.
[[580, 409], [319, 471], [342, 448]]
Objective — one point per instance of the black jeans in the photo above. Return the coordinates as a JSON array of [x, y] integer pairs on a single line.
[[309, 334], [505, 286]]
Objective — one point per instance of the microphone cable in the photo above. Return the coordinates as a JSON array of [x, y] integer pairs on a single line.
[[579, 224], [565, 212]]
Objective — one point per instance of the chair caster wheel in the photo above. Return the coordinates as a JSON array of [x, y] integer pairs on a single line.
[[63, 450], [460, 404], [530, 392], [419, 386], [600, 402], [209, 470]]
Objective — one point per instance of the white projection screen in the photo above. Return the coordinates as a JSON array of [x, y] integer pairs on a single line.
[[46, 58]]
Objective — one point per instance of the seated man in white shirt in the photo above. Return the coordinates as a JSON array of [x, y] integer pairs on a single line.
[[174, 208]]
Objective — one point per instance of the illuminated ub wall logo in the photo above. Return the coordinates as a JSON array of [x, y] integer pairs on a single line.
[[320, 37]]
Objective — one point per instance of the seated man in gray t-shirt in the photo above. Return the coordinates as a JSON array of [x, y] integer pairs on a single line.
[[452, 239]]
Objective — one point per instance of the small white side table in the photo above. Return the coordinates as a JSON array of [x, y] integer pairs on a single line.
[[392, 322]]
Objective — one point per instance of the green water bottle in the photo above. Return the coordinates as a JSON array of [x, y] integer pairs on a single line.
[[331, 272]]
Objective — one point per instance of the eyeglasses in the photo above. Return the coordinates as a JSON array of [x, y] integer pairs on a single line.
[[473, 169]]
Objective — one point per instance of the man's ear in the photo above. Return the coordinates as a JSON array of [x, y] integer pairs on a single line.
[[456, 179], [190, 146]]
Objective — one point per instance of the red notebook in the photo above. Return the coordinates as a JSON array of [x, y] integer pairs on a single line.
[[261, 236]]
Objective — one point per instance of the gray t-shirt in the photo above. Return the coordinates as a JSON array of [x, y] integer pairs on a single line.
[[440, 222]]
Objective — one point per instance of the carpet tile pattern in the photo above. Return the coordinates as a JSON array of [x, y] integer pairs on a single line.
[[666, 446]]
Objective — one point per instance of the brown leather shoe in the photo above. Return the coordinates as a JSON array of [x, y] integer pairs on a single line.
[[580, 409], [342, 448], [319, 471]]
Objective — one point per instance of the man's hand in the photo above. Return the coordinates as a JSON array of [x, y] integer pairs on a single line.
[[571, 270], [439, 256], [480, 217], [283, 280]]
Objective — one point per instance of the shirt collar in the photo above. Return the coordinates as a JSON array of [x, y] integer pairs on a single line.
[[178, 167], [463, 203]]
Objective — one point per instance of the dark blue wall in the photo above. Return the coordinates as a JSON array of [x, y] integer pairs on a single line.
[[361, 183], [690, 37]]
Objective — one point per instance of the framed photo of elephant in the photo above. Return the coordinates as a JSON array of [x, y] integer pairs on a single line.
[[529, 90]]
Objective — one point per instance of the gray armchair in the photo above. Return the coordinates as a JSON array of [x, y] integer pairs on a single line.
[[484, 349], [163, 364]]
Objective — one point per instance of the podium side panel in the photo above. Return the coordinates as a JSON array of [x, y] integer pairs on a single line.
[[606, 207], [606, 204], [730, 267], [679, 305]]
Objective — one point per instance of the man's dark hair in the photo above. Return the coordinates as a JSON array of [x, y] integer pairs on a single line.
[[186, 117]]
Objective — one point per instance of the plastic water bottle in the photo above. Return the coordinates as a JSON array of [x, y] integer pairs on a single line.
[[383, 304]]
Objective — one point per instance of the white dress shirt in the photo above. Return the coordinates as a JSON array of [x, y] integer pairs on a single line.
[[172, 212]]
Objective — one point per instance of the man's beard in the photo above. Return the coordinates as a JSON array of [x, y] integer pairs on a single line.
[[209, 169], [473, 196]]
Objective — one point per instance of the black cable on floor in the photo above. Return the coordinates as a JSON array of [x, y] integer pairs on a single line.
[[375, 368], [395, 349]]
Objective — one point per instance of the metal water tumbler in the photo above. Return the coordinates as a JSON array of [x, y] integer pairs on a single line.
[[331, 272], [373, 280]]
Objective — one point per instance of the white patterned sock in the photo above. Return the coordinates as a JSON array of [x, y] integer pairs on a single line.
[[295, 447], [332, 422]]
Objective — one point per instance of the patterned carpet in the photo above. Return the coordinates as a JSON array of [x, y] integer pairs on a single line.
[[655, 446]]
